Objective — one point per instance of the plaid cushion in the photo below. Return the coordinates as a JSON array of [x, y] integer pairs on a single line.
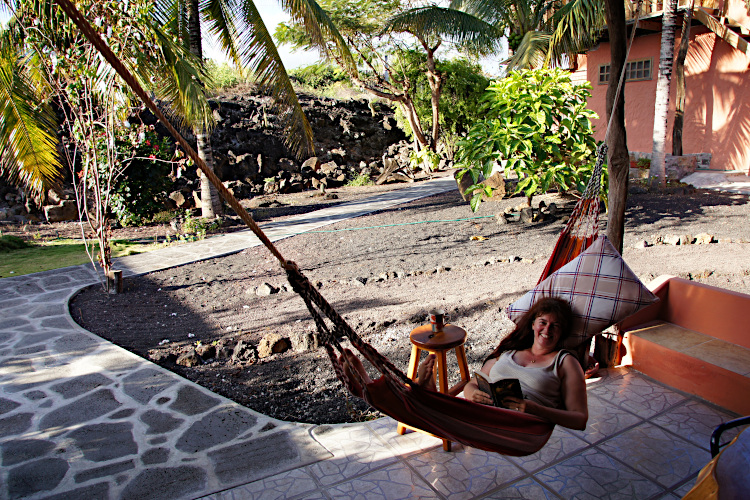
[[601, 289]]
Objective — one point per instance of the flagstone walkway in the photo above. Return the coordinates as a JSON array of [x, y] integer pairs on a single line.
[[81, 418]]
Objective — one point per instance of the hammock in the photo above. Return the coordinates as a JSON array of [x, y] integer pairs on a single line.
[[480, 426]]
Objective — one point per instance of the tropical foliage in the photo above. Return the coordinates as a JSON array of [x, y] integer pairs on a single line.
[[540, 33], [319, 76], [28, 131], [383, 48], [461, 94], [92, 101], [150, 163], [537, 127]]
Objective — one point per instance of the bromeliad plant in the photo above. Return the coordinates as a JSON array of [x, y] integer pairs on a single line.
[[537, 126]]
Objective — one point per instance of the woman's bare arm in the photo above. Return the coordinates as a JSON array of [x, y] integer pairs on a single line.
[[576, 412], [471, 389]]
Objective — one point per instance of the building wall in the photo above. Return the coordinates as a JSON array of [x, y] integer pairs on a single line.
[[717, 110]]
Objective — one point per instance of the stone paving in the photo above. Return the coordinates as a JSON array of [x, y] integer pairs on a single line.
[[81, 418]]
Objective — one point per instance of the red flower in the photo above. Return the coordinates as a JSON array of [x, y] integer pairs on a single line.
[[156, 147], [148, 143], [151, 157]]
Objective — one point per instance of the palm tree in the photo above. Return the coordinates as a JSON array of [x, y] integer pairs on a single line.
[[92, 100], [245, 39], [431, 26], [242, 35], [657, 174]]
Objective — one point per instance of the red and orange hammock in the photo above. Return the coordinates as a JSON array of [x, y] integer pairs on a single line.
[[476, 425]]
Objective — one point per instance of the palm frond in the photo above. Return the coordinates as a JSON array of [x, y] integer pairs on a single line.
[[494, 12], [221, 17], [320, 28], [576, 27], [261, 56], [178, 78], [532, 52], [28, 155], [440, 22]]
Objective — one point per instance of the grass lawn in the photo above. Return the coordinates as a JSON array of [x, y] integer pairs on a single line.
[[54, 254]]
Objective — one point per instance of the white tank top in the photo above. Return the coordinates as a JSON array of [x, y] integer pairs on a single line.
[[541, 384]]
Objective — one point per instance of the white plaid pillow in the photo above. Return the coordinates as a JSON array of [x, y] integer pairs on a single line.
[[601, 289]]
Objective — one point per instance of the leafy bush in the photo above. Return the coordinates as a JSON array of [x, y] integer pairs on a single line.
[[224, 76], [140, 193], [198, 227], [460, 100], [318, 76], [424, 159], [537, 126], [360, 180]]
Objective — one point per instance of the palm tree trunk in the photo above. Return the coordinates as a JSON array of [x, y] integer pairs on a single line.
[[210, 201], [657, 175], [618, 163], [679, 113]]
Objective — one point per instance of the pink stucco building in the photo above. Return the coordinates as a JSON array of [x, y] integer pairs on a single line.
[[717, 75]]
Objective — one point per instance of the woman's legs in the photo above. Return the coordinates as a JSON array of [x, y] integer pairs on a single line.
[[426, 373], [355, 371]]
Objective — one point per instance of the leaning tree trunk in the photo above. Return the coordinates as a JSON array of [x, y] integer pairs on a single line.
[[657, 175], [679, 73], [618, 163], [210, 200], [435, 78]]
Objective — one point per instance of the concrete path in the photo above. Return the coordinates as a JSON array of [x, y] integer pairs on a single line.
[[732, 182], [83, 418]]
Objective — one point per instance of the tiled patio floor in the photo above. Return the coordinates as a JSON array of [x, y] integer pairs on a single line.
[[643, 440]]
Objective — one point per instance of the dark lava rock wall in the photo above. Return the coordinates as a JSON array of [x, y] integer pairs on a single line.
[[248, 139]]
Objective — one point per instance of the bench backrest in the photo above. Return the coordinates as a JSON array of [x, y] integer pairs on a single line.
[[714, 311]]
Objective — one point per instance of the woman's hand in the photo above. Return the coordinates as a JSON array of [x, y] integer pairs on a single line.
[[516, 404], [473, 394]]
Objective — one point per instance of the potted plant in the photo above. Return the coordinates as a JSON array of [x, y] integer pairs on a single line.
[[643, 163]]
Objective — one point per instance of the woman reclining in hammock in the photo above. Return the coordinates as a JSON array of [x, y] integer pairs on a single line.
[[551, 379]]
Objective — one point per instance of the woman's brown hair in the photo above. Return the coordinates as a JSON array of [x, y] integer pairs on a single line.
[[522, 337]]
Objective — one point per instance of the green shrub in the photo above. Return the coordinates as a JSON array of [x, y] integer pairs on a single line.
[[460, 101], [318, 76], [537, 125], [163, 217], [224, 76], [8, 243], [140, 193], [198, 227], [424, 159], [360, 180]]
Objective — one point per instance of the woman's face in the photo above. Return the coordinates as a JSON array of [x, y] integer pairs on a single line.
[[547, 331]]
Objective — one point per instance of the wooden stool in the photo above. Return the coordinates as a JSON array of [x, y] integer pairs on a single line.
[[438, 343]]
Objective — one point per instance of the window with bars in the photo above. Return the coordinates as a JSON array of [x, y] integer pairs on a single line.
[[638, 70]]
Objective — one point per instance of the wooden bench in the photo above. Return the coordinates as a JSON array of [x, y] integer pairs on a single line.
[[696, 339]]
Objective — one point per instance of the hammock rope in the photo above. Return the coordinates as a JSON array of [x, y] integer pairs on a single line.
[[582, 228], [480, 426]]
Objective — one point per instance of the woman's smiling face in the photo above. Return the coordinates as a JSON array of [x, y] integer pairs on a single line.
[[546, 331]]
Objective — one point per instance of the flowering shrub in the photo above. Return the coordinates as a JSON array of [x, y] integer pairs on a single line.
[[148, 160]]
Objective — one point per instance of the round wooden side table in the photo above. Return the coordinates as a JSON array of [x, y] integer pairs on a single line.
[[451, 337]]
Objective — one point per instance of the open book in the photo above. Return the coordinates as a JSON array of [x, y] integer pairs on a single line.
[[499, 389]]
